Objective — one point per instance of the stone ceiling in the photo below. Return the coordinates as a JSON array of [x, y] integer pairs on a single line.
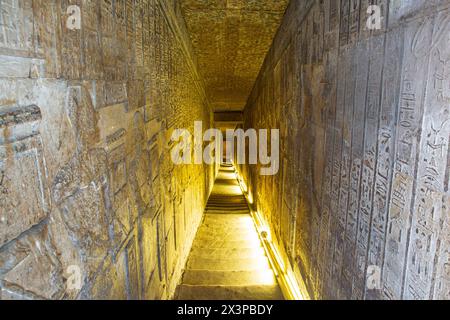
[[231, 39]]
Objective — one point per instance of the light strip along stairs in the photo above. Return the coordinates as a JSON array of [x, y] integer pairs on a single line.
[[227, 261]]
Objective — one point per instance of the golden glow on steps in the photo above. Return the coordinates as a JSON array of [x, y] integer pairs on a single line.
[[228, 260], [284, 273]]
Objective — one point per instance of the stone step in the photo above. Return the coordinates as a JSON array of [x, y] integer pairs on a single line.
[[215, 264], [227, 260], [226, 253], [223, 210], [227, 218], [204, 235], [214, 228], [229, 278], [227, 212], [232, 190], [225, 199], [231, 206], [231, 217], [234, 218], [188, 292], [228, 244], [227, 225], [242, 228], [227, 207], [214, 196]]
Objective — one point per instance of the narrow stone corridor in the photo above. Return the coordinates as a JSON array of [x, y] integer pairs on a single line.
[[227, 261], [336, 115]]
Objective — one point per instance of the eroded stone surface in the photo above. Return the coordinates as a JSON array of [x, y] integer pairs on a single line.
[[86, 181], [361, 201]]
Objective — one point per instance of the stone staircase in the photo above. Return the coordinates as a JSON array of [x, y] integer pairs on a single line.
[[227, 261]]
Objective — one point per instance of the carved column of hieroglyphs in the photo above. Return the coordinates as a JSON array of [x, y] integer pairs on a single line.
[[377, 227], [84, 155]]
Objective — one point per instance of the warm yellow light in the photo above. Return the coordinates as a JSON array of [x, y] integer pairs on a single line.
[[242, 183], [266, 277], [236, 190], [250, 198], [294, 288], [283, 271]]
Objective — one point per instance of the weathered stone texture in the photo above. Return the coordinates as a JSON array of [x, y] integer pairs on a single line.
[[85, 123], [365, 126]]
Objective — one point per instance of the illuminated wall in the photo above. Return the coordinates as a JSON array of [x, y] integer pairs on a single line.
[[87, 188], [361, 204]]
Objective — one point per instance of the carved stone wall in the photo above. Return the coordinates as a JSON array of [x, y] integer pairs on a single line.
[[362, 203], [87, 188]]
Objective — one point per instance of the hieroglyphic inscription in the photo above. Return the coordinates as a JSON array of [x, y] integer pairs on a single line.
[[429, 211], [369, 162], [386, 151], [357, 151], [23, 175], [417, 38]]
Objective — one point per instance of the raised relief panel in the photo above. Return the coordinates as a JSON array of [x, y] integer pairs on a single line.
[[92, 53], [331, 24], [131, 39], [150, 250], [111, 281], [18, 67], [354, 23], [401, 10], [120, 40], [115, 93], [121, 204], [347, 136], [332, 265], [325, 223], [442, 284], [358, 138], [16, 27], [108, 39], [386, 151], [23, 177], [132, 270], [80, 188], [144, 179], [71, 45], [344, 23], [418, 36], [429, 210], [112, 120], [364, 31], [46, 34], [172, 254], [94, 204], [147, 41], [376, 46], [357, 151], [135, 91], [161, 249], [139, 52], [29, 268], [345, 174]]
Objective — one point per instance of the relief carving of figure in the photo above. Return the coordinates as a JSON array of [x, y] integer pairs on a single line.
[[80, 189]]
